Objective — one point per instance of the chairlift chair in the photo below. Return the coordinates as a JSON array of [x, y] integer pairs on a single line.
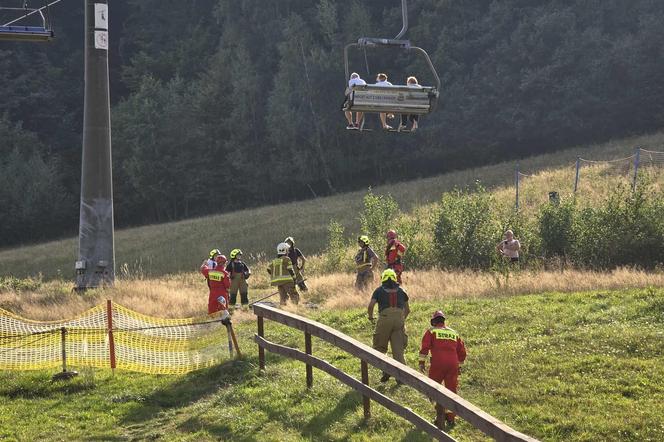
[[392, 99], [25, 33], [12, 32]]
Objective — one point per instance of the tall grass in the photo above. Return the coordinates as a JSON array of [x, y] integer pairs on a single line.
[[180, 246], [185, 295]]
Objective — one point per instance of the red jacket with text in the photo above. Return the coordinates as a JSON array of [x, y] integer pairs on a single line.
[[218, 281], [446, 347]]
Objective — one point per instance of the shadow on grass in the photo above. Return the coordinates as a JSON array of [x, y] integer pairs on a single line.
[[189, 389], [416, 435], [347, 404], [41, 386]]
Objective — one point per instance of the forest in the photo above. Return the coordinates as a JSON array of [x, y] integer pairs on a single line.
[[219, 105]]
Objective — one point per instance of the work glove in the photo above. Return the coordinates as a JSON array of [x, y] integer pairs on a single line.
[[226, 321], [246, 275], [422, 367]]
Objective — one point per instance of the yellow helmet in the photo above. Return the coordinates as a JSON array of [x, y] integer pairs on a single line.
[[363, 239], [214, 252], [235, 252], [388, 274]]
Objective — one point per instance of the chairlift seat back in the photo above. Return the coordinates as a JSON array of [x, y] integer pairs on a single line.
[[392, 99], [25, 33]]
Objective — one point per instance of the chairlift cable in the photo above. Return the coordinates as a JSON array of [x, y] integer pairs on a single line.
[[34, 11], [366, 62]]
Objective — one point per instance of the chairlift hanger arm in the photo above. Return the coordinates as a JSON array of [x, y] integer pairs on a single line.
[[404, 45], [404, 17], [34, 11]]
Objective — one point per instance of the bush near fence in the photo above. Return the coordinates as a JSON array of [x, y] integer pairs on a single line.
[[625, 228]]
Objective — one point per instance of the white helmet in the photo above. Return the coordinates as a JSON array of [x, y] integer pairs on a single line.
[[282, 248]]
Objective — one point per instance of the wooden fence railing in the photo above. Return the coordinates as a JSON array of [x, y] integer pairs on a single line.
[[367, 355]]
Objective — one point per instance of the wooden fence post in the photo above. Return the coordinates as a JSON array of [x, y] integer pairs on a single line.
[[111, 341], [365, 381], [576, 174], [261, 351], [307, 350]]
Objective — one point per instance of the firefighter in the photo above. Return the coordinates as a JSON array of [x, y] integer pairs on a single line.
[[447, 353], [282, 275], [365, 260], [239, 273], [218, 282], [298, 260], [392, 313], [210, 261], [394, 253]]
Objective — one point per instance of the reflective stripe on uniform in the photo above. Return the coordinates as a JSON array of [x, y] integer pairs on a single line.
[[279, 274], [444, 333], [365, 262], [215, 276], [392, 297]]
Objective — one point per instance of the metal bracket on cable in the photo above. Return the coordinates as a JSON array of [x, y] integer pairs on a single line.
[[371, 41]]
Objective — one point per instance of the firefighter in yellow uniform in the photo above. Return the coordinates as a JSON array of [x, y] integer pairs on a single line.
[[365, 261], [239, 273], [282, 275], [392, 313]]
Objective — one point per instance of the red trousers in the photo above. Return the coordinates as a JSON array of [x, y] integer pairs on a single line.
[[446, 374], [214, 305]]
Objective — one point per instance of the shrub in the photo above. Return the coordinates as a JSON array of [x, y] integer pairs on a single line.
[[556, 229], [626, 230], [465, 232], [416, 232], [379, 215], [10, 283], [336, 247]]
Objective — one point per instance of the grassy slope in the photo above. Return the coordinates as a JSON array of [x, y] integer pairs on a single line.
[[177, 247], [583, 366]]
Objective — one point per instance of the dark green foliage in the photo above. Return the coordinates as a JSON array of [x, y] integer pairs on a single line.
[[379, 215], [245, 96], [466, 229], [336, 246], [626, 230], [556, 228], [33, 200]]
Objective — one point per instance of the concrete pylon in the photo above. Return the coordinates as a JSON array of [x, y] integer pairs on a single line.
[[96, 252]]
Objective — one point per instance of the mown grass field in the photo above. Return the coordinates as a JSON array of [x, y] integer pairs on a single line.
[[179, 247], [583, 366]]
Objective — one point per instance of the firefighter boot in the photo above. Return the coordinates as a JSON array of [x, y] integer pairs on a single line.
[[449, 420], [440, 417]]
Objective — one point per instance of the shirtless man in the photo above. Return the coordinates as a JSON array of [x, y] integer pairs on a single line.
[[509, 247]]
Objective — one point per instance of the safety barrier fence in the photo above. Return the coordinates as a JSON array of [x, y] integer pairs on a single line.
[[628, 167], [368, 356], [112, 336]]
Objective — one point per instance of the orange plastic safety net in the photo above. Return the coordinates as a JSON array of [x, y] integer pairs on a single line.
[[135, 342]]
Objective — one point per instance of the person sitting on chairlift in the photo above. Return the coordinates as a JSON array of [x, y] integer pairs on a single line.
[[355, 80], [410, 82], [381, 80]]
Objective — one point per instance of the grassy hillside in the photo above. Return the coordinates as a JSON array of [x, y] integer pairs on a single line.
[[582, 366], [180, 246]]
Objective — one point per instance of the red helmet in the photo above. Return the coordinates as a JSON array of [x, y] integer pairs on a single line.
[[220, 259], [436, 315], [391, 234]]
